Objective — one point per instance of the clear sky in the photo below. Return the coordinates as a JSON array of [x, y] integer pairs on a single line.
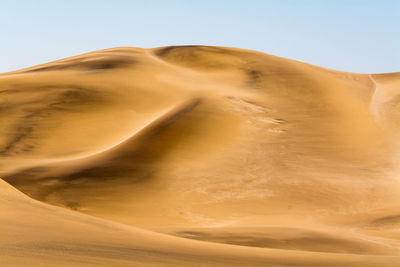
[[350, 35]]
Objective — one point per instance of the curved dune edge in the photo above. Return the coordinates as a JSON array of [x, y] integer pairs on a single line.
[[37, 234], [251, 158]]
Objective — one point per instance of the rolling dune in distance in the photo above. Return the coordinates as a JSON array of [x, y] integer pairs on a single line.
[[198, 156]]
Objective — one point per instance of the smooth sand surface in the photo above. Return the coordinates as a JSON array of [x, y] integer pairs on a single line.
[[198, 156]]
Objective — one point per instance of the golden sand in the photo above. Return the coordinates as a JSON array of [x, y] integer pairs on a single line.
[[198, 156]]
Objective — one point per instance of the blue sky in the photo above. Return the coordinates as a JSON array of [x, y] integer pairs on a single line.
[[350, 35]]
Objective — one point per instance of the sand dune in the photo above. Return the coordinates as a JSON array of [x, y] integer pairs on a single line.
[[197, 155]]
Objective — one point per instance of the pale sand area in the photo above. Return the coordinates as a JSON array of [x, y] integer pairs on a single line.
[[235, 156]]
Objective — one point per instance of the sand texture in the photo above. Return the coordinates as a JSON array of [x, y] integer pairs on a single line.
[[198, 156]]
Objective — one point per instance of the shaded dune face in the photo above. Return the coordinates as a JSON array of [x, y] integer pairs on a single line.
[[91, 64], [217, 144]]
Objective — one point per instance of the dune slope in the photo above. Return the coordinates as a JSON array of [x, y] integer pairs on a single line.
[[260, 156]]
